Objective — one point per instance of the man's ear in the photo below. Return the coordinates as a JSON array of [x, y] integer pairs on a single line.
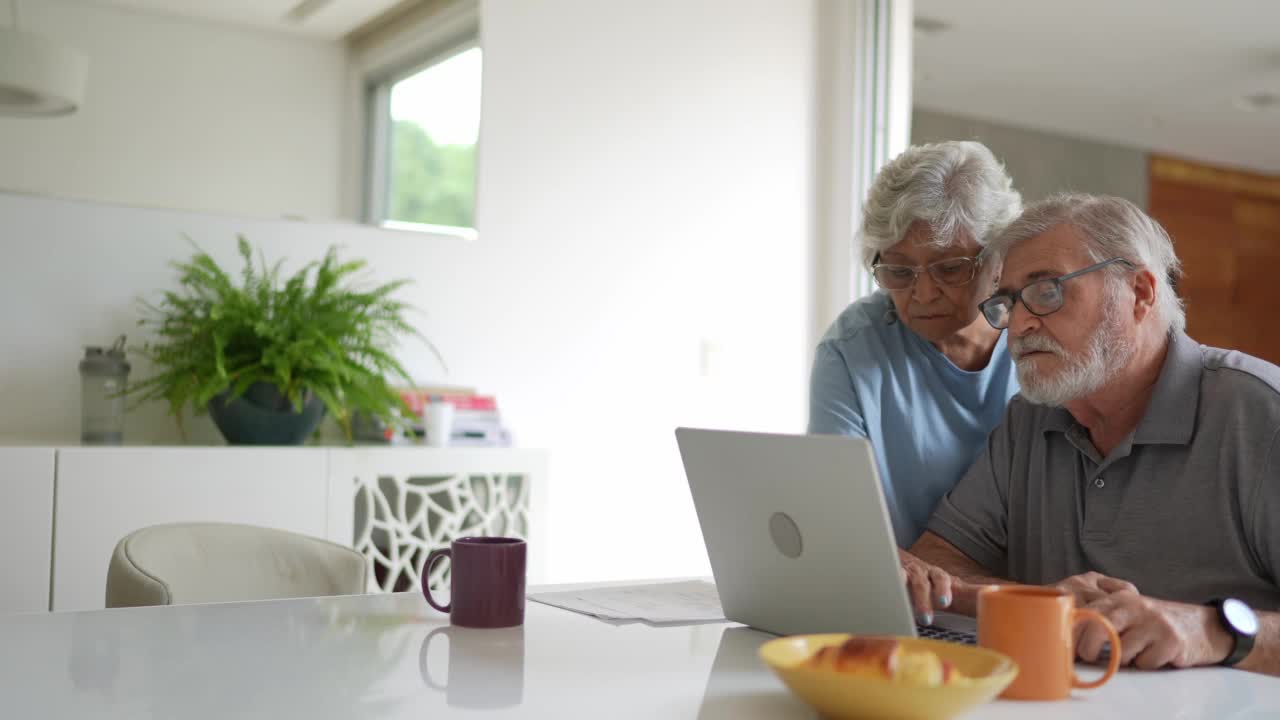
[[994, 269], [1144, 293]]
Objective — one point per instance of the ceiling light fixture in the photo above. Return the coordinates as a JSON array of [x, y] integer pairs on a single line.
[[931, 26], [299, 13], [38, 77], [1259, 101]]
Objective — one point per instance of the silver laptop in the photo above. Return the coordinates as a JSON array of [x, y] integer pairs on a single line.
[[798, 534]]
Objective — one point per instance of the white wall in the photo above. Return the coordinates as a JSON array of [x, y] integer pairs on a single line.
[[74, 272], [645, 228], [185, 114], [645, 211]]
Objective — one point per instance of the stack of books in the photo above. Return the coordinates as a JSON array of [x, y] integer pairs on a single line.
[[476, 421]]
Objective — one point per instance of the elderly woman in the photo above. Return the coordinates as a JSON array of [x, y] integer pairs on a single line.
[[915, 368]]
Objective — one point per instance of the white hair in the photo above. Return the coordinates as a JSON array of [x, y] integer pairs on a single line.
[[959, 188], [1111, 227]]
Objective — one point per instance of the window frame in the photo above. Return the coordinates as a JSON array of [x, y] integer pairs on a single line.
[[445, 42]]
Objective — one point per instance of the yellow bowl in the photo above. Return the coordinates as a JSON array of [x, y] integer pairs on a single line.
[[839, 695]]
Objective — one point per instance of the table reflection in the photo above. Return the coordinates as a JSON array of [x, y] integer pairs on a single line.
[[740, 685], [485, 667]]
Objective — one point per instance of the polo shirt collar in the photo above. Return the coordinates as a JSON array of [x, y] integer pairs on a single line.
[[1171, 413], [1058, 420]]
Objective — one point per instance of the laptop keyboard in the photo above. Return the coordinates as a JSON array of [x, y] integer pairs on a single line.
[[965, 638], [937, 633]]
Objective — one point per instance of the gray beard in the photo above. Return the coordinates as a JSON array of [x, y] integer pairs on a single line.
[[1108, 352]]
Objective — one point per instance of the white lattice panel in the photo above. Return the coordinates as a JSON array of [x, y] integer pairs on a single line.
[[410, 501]]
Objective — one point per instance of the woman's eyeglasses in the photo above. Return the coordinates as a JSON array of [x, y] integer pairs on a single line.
[[952, 272]]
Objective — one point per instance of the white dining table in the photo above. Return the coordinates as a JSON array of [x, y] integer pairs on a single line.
[[392, 656]]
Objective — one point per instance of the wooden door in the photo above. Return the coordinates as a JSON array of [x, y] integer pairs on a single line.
[[1225, 226]]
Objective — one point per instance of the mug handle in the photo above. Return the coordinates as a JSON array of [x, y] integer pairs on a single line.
[[426, 578], [422, 659], [1113, 664]]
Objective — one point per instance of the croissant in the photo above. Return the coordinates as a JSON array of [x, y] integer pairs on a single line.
[[887, 659]]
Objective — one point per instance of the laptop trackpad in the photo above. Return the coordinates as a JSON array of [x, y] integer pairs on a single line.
[[952, 621]]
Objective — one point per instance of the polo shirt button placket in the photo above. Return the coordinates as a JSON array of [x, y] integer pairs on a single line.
[[1100, 483]]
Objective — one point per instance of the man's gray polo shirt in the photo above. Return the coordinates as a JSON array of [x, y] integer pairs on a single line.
[[1187, 507]]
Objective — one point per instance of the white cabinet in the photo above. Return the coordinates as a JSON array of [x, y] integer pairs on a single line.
[[26, 527], [62, 510], [104, 494]]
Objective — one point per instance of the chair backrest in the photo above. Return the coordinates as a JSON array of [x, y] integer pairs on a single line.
[[220, 562]]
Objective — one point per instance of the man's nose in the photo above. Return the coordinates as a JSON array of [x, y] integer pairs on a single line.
[[1021, 320]]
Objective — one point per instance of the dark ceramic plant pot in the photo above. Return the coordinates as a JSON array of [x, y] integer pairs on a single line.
[[262, 416]]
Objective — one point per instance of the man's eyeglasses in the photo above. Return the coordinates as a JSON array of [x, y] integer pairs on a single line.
[[952, 272], [1040, 298]]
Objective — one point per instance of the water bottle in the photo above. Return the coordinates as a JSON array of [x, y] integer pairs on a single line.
[[438, 420], [104, 374]]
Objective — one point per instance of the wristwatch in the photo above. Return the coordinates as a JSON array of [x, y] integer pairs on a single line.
[[1241, 622]]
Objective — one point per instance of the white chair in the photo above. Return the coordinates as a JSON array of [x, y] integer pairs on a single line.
[[220, 562]]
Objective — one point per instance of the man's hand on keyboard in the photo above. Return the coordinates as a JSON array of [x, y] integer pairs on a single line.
[[928, 586]]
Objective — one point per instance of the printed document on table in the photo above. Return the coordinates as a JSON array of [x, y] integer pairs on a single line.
[[689, 601]]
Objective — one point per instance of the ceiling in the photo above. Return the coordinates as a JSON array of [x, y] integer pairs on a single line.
[[1162, 75], [326, 19]]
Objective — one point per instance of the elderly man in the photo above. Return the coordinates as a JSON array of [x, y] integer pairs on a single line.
[[1137, 468]]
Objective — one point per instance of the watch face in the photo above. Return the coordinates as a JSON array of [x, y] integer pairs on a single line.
[[1240, 616]]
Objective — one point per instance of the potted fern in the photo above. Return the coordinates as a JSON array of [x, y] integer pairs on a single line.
[[266, 356]]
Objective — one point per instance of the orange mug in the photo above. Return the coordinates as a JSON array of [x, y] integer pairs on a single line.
[[1033, 625]]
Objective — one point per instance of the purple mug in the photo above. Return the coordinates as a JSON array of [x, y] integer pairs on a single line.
[[486, 579]]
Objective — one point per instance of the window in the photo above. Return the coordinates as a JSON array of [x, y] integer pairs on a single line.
[[425, 126]]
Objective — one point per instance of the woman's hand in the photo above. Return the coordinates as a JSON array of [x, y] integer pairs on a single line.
[[929, 587]]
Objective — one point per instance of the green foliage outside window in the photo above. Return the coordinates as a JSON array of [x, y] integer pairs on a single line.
[[430, 183]]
